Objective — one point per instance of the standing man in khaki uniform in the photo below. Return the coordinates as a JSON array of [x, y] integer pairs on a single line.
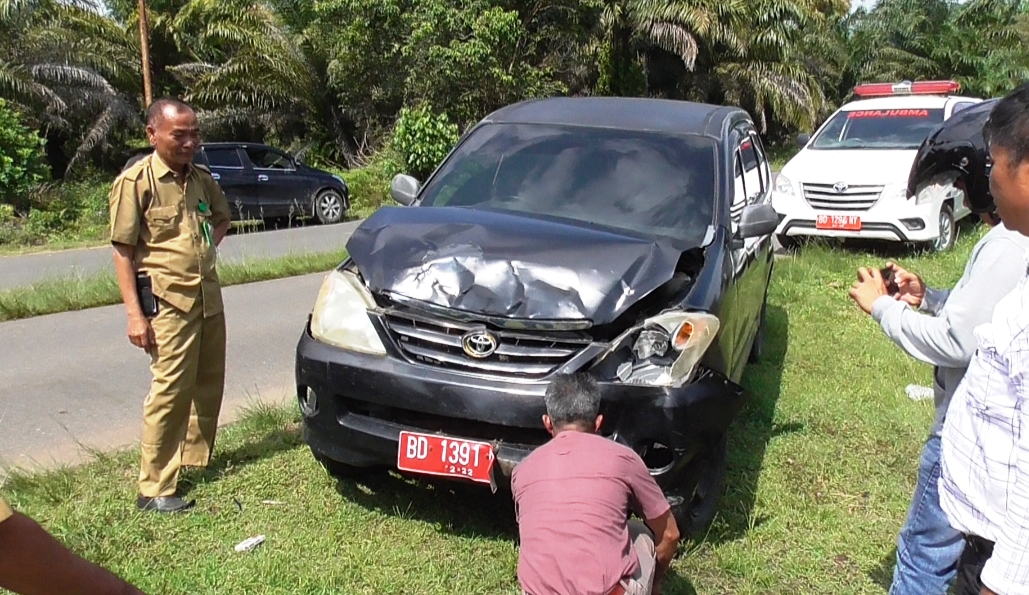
[[32, 562], [167, 218]]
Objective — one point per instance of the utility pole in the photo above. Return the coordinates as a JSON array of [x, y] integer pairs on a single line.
[[144, 44]]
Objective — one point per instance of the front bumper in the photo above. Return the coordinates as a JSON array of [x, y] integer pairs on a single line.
[[895, 220], [355, 406]]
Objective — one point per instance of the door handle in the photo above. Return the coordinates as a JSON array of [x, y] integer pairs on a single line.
[[262, 178], [216, 176]]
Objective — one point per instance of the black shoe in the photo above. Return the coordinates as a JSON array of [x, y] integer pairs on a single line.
[[164, 504]]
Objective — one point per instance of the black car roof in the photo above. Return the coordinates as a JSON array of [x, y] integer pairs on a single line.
[[625, 113], [238, 145]]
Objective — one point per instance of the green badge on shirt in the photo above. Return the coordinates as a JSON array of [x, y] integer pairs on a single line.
[[206, 225]]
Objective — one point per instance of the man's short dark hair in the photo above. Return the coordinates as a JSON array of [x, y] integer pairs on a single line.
[[573, 399], [1008, 125], [156, 108]]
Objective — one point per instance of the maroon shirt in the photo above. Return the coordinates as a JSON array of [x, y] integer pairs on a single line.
[[572, 497]]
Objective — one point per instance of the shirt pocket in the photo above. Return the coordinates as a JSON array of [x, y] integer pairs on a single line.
[[163, 222]]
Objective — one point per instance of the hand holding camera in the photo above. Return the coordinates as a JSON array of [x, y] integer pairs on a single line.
[[909, 287]]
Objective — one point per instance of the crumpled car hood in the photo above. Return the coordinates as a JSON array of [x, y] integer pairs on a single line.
[[509, 265]]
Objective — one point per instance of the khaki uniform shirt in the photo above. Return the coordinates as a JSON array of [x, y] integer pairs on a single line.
[[5, 511], [161, 217]]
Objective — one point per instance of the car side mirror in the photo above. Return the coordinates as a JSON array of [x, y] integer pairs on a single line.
[[803, 139], [758, 220], [404, 189]]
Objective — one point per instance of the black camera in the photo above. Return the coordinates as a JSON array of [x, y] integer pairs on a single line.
[[891, 284]]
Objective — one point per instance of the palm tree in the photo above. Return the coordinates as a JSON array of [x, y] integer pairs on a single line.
[[248, 66], [749, 53], [69, 67], [632, 28]]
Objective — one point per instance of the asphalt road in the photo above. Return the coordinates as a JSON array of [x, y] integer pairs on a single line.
[[18, 271], [72, 380]]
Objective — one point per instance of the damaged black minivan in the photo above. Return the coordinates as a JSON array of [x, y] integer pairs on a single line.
[[629, 238]]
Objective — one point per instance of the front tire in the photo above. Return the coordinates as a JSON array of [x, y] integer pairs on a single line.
[[948, 230], [784, 243], [695, 512], [329, 207]]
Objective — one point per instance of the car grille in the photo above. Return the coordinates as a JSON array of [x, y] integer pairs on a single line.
[[438, 342], [854, 198]]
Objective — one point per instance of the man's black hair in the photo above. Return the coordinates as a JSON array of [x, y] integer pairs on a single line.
[[156, 108], [1008, 125], [573, 399]]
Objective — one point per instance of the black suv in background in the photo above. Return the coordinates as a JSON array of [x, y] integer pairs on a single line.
[[261, 181]]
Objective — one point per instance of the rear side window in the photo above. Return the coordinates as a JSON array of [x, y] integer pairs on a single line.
[[749, 155], [223, 158], [268, 159]]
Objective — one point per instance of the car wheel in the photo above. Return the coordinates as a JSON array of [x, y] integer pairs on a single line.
[[340, 470], [948, 230], [329, 207], [757, 348], [694, 513], [784, 243]]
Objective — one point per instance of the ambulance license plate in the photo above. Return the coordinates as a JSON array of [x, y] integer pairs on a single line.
[[839, 222]]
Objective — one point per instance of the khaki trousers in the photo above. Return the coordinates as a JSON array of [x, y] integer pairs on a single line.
[[180, 415], [642, 581]]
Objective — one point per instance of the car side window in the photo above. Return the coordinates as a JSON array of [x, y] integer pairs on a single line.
[[268, 159], [223, 158], [763, 168], [739, 196], [753, 177], [960, 106]]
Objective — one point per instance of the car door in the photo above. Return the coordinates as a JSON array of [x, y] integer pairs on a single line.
[[758, 250], [227, 168], [282, 190], [751, 185], [954, 106]]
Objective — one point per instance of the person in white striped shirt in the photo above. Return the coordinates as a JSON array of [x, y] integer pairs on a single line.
[[984, 482]]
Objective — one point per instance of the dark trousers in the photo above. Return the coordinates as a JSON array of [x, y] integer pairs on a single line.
[[970, 566]]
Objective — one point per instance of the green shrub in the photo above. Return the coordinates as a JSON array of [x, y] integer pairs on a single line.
[[22, 162], [369, 185], [422, 138]]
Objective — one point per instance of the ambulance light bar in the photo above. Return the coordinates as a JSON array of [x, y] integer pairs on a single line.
[[907, 88]]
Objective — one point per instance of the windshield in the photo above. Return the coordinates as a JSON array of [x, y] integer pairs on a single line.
[[655, 184], [878, 129]]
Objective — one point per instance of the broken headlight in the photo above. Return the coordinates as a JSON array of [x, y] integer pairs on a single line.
[[340, 316], [667, 348]]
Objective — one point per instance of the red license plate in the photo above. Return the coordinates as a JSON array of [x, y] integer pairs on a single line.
[[841, 222], [442, 455]]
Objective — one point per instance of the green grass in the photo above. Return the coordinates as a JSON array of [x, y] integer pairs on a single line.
[[821, 469], [78, 293]]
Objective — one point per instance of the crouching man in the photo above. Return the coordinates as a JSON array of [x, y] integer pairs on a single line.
[[572, 498]]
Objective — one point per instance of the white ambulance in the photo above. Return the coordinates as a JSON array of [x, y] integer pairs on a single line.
[[849, 179]]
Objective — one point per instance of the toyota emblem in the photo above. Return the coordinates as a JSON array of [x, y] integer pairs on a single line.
[[840, 187], [479, 344]]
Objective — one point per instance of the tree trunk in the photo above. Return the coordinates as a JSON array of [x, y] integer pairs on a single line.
[[144, 44]]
